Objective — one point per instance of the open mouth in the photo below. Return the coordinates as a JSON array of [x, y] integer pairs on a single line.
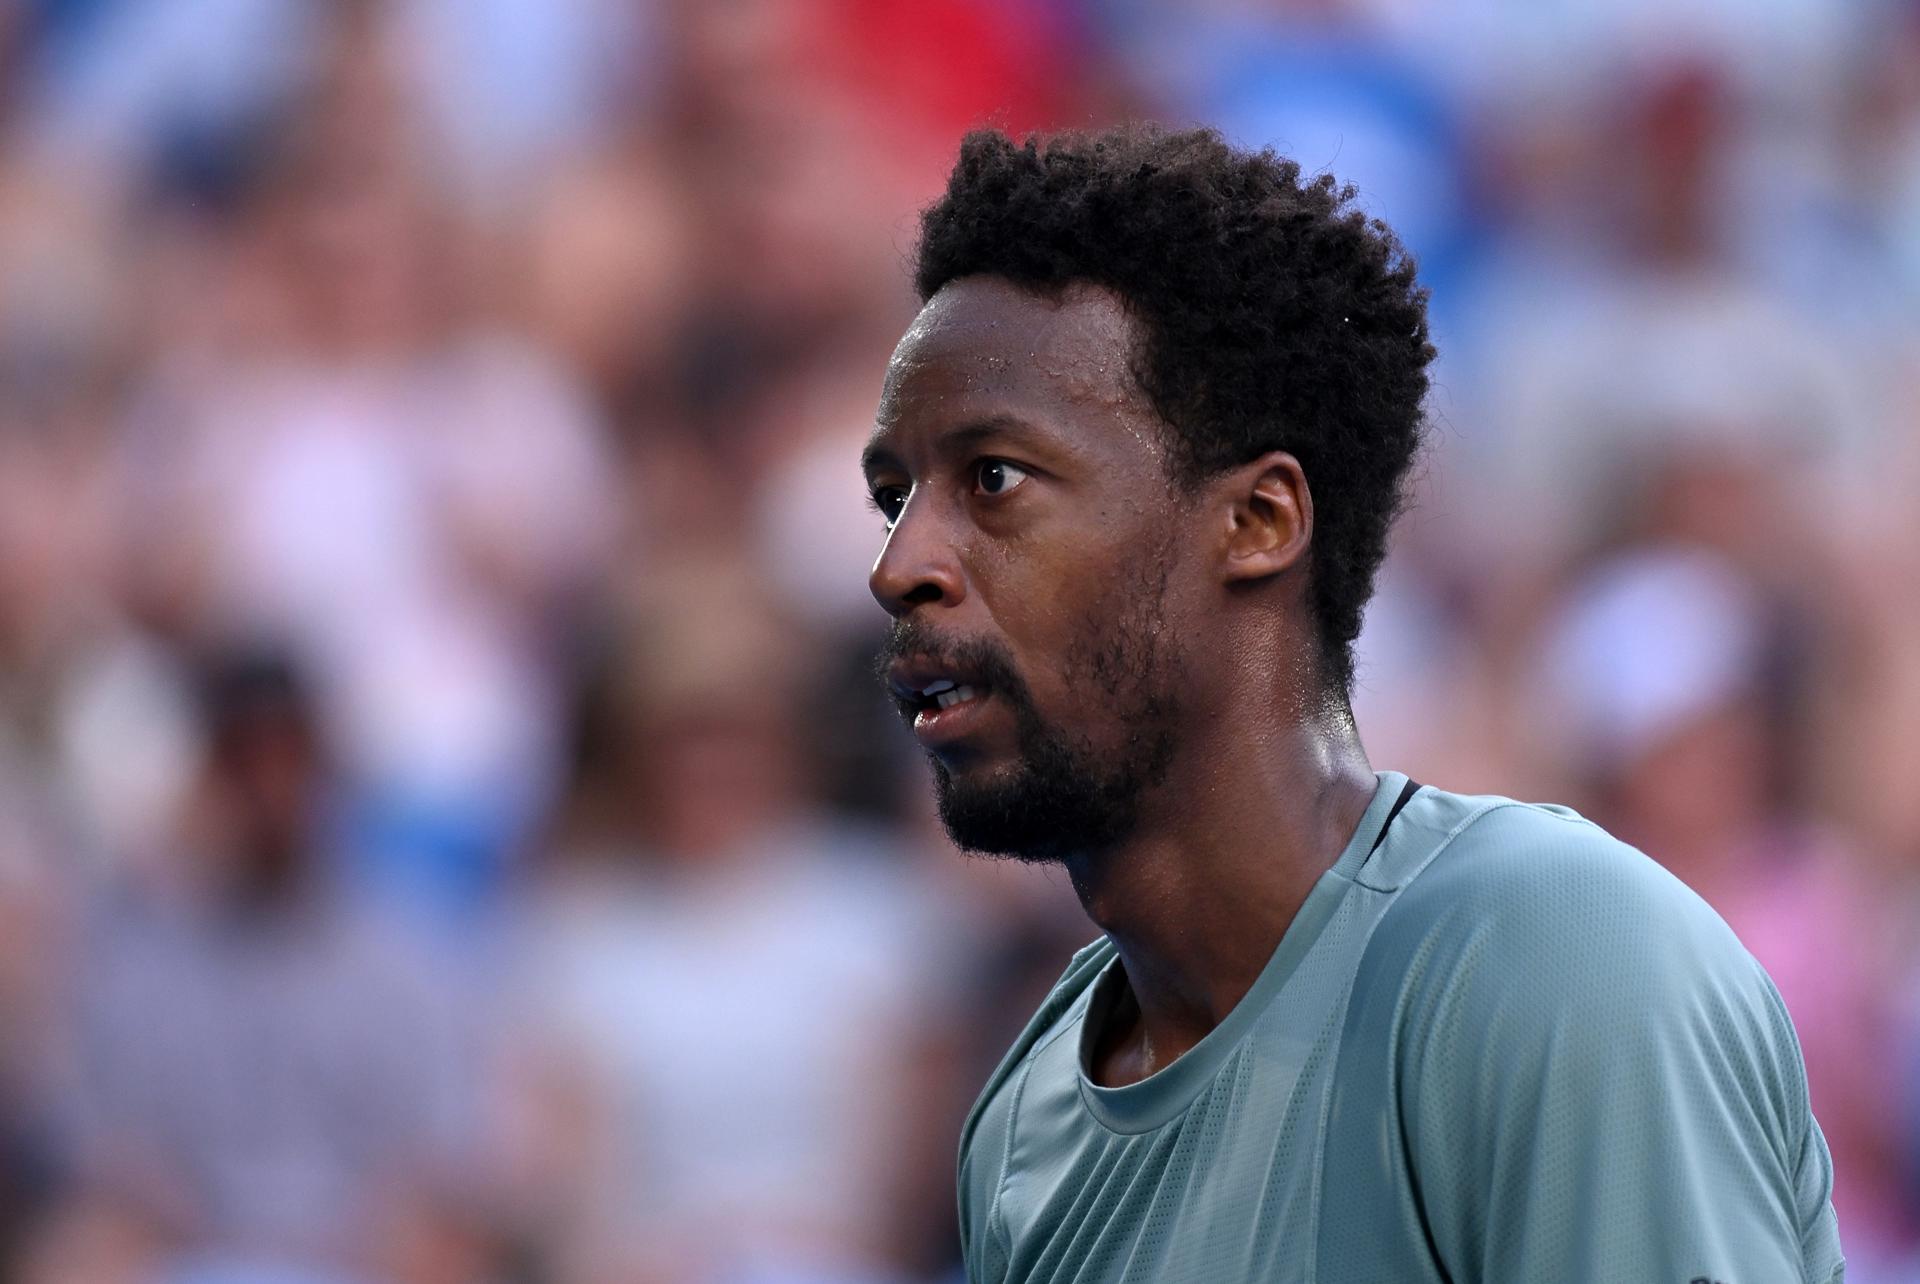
[[946, 693], [924, 690], [947, 711]]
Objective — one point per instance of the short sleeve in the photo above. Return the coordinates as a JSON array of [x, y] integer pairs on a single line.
[[983, 1162], [986, 1139], [1596, 1081]]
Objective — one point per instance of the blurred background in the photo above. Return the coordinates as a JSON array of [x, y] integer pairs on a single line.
[[447, 831]]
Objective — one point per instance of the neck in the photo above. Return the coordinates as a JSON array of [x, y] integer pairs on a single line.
[[1197, 899]]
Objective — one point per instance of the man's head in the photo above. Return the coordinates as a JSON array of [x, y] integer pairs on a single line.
[[265, 772], [1149, 430]]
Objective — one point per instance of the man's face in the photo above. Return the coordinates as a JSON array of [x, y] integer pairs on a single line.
[[1033, 535]]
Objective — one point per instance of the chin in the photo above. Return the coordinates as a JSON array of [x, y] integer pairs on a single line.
[[1019, 814], [983, 813]]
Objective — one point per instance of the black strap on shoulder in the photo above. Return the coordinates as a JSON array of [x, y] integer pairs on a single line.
[[1406, 795]]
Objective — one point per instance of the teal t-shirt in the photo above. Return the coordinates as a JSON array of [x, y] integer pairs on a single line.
[[1495, 1044]]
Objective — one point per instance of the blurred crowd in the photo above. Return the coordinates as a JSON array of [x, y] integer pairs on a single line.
[[448, 831]]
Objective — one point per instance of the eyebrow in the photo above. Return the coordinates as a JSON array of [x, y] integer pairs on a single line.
[[874, 455], [953, 441]]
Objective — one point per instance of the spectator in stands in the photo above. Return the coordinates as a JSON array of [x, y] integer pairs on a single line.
[[258, 1073]]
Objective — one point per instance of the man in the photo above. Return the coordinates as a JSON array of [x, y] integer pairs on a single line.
[[1137, 457], [265, 1077]]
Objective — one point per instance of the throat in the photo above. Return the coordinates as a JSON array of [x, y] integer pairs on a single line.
[[1118, 1051]]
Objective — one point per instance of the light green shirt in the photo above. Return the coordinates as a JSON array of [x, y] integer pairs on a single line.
[[1495, 1045]]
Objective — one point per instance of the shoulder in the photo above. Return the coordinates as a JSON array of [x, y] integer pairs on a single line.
[[986, 1137], [1539, 891], [1570, 1038], [1532, 937], [1055, 1011]]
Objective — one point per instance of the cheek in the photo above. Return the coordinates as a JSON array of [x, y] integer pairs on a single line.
[[1039, 600], [1113, 658], [1079, 607], [1124, 643]]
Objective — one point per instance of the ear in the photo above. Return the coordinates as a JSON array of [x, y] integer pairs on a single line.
[[1269, 517]]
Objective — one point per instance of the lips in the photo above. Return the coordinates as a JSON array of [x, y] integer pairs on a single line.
[[922, 682], [942, 700], [944, 724]]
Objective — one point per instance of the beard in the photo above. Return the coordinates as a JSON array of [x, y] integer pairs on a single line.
[[1063, 795]]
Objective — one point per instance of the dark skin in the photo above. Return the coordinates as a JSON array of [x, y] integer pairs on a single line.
[[1023, 468]]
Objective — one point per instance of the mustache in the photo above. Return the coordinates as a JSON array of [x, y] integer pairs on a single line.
[[976, 659]]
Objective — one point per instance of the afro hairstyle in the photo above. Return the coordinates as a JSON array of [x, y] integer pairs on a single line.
[[1271, 314]]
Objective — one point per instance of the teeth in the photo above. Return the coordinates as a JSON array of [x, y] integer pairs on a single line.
[[935, 688], [947, 699]]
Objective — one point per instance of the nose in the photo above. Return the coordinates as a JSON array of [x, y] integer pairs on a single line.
[[917, 566]]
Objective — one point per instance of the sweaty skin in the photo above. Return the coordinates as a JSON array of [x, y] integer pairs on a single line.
[[1266, 780]]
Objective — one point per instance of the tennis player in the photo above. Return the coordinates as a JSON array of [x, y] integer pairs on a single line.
[[1137, 458]]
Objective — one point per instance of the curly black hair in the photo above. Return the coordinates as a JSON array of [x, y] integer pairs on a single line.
[[1272, 314]]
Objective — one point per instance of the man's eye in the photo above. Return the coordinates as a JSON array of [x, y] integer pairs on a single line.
[[997, 476], [888, 501]]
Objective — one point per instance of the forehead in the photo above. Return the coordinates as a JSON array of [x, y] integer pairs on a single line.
[[983, 346]]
